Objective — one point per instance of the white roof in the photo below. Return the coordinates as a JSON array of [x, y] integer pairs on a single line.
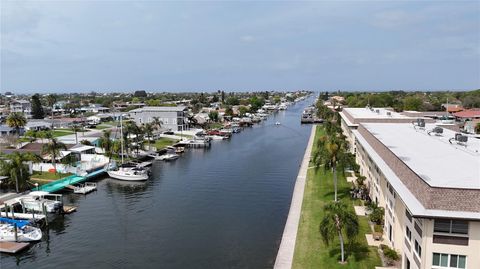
[[366, 113], [159, 109], [431, 157], [82, 148], [413, 204]]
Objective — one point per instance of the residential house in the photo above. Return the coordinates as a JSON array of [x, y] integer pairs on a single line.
[[173, 118], [21, 106]]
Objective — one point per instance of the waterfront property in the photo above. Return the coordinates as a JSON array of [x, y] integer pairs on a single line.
[[310, 250], [428, 181], [172, 118]]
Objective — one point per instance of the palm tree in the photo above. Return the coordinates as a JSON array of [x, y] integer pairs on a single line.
[[157, 123], [16, 120], [106, 143], [32, 135], [15, 167], [331, 154], [53, 148], [51, 100], [339, 221], [76, 129], [148, 130]]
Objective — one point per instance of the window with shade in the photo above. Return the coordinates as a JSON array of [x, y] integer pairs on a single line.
[[442, 260], [453, 227]]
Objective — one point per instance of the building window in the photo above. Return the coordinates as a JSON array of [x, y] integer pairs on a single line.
[[409, 216], [451, 226], [449, 260], [418, 249], [408, 233]]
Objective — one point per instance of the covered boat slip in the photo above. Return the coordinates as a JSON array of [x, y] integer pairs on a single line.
[[73, 179]]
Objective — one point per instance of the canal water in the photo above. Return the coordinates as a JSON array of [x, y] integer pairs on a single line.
[[224, 207]]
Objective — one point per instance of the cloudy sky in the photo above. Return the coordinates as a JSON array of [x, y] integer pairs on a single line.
[[239, 45]]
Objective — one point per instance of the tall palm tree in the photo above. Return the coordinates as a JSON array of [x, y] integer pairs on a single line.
[[148, 129], [51, 100], [15, 168], [76, 129], [339, 221], [106, 143], [53, 147], [16, 120], [331, 155]]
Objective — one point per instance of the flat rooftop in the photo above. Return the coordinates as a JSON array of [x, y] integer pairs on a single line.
[[374, 113], [431, 157]]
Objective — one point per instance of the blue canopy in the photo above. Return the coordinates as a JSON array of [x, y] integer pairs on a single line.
[[20, 223]]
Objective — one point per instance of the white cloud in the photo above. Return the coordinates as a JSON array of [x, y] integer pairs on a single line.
[[247, 38]]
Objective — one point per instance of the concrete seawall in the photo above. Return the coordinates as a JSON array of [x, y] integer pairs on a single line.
[[286, 250]]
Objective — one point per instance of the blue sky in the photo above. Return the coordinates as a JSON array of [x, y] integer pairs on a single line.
[[239, 45]]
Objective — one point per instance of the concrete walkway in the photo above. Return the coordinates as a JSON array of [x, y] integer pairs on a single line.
[[284, 258]]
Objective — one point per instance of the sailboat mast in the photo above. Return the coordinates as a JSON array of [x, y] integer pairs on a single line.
[[121, 134]]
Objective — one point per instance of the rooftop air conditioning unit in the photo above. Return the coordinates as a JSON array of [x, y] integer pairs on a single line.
[[437, 130], [460, 139]]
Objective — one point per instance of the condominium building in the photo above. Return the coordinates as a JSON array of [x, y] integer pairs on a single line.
[[172, 117], [428, 181], [352, 117]]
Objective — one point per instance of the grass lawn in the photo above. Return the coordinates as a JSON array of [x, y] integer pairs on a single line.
[[46, 177], [61, 132], [164, 142], [111, 123], [310, 250], [103, 126]]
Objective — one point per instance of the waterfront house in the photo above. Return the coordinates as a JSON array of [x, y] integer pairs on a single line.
[[173, 118]]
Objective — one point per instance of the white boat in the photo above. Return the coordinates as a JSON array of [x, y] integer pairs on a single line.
[[25, 232], [277, 123], [167, 157], [128, 173], [216, 137], [282, 106], [35, 201], [85, 188]]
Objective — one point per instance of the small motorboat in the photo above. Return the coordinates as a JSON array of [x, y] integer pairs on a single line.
[[277, 123], [25, 232], [85, 188], [35, 201]]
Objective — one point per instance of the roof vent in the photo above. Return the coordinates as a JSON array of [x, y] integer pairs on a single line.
[[389, 113], [437, 130], [420, 123], [460, 139]]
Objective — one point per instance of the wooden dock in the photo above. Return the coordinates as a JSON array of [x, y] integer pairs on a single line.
[[12, 247], [68, 209]]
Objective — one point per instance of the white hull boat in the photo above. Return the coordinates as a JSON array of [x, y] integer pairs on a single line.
[[167, 157], [25, 232], [128, 174], [35, 201]]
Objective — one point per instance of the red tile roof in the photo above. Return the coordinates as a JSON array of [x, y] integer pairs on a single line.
[[468, 114]]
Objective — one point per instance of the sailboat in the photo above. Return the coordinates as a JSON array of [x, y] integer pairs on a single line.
[[126, 173], [24, 232]]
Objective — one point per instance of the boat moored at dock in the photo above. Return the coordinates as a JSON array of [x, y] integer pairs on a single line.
[[18, 230]]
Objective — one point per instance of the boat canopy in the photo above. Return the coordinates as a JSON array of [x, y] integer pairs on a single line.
[[20, 223]]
